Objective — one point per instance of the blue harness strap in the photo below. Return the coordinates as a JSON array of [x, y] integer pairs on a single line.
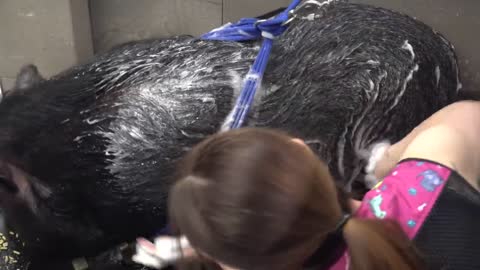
[[245, 30], [248, 29]]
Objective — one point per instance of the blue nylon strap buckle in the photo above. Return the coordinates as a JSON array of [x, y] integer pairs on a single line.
[[252, 29], [248, 29]]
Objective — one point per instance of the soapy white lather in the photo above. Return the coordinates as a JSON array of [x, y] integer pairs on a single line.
[[162, 253], [407, 46], [377, 153]]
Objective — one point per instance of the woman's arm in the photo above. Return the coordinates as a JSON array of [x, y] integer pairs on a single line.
[[450, 137]]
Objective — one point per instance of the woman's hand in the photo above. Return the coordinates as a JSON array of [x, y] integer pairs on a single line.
[[163, 252]]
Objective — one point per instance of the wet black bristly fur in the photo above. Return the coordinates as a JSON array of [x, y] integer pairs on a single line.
[[104, 137]]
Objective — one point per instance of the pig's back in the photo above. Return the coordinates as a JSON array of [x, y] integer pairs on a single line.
[[353, 76]]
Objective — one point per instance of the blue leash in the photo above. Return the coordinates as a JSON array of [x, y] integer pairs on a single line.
[[245, 30]]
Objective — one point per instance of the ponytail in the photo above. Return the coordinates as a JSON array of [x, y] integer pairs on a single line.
[[379, 245]]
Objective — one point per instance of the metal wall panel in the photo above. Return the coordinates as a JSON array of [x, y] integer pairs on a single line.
[[53, 34], [236, 9], [118, 21]]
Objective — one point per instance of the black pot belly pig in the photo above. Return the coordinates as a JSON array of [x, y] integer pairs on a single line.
[[87, 157]]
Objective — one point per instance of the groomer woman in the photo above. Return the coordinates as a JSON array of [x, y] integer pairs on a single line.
[[258, 199]]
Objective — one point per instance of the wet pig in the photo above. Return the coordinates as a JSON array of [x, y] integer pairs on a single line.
[[87, 156]]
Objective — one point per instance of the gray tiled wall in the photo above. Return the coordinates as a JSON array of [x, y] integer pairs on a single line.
[[117, 21], [55, 34]]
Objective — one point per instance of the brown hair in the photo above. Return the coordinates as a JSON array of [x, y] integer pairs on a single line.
[[254, 199]]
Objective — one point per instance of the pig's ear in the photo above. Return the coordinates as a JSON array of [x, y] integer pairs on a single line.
[[28, 77]]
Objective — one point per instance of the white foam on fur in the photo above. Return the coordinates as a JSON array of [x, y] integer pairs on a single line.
[[407, 46], [437, 74], [376, 154]]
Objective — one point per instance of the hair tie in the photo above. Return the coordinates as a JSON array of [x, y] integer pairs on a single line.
[[331, 249], [342, 223]]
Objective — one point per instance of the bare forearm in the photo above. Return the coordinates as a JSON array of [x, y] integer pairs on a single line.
[[452, 116]]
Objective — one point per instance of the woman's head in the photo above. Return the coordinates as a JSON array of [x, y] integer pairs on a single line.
[[245, 197], [255, 199]]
